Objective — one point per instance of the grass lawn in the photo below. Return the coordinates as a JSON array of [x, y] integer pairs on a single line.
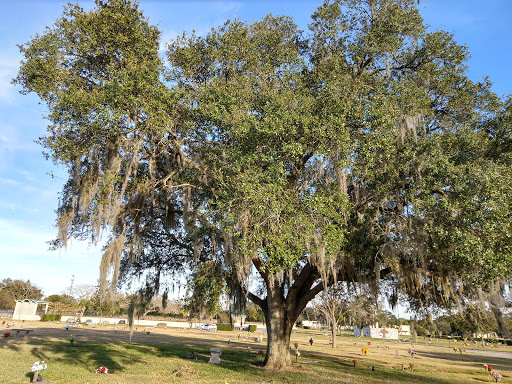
[[161, 357]]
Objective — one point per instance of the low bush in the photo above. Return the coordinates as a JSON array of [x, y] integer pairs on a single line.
[[252, 328], [51, 317], [224, 327]]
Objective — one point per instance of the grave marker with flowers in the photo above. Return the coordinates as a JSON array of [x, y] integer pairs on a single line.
[[102, 370], [37, 367]]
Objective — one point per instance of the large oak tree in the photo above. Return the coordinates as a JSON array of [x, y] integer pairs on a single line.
[[357, 152]]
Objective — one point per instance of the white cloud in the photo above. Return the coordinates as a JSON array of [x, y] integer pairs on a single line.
[[10, 182], [228, 7], [29, 176]]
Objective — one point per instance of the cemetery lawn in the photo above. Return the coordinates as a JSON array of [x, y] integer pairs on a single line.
[[163, 357]]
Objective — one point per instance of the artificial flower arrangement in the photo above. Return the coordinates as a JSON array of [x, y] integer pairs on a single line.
[[7, 334], [72, 340], [365, 351], [102, 370], [497, 376], [38, 366]]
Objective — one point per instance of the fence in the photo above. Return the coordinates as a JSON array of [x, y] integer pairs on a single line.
[[6, 313]]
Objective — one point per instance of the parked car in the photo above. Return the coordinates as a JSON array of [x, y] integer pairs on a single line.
[[208, 327], [71, 320], [122, 322]]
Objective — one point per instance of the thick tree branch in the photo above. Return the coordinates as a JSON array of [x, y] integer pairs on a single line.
[[257, 300], [298, 283], [258, 264]]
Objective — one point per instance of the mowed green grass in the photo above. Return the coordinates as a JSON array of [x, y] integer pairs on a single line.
[[161, 357]]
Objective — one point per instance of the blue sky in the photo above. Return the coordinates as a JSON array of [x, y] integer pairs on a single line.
[[29, 196]]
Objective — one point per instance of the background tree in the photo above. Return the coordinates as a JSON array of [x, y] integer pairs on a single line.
[[83, 294], [61, 303], [357, 153], [106, 303], [12, 290], [443, 326], [473, 321], [329, 303], [352, 304], [62, 298], [254, 313]]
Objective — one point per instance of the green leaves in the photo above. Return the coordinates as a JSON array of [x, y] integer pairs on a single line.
[[360, 148]]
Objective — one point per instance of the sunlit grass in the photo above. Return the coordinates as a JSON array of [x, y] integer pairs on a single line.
[[162, 357]]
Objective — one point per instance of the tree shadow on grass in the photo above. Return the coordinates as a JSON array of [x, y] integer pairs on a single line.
[[94, 348], [471, 359], [88, 355], [243, 361], [7, 342]]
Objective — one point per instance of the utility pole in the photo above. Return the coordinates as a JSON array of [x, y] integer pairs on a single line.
[[71, 286]]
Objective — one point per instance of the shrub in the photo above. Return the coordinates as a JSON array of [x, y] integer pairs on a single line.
[[252, 328], [224, 327], [51, 317]]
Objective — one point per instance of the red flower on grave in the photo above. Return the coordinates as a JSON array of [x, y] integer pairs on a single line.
[[102, 370]]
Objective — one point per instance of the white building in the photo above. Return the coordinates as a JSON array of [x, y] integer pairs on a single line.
[[377, 333], [26, 309], [405, 330], [311, 324]]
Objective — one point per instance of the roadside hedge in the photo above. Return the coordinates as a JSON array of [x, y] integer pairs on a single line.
[[224, 327], [51, 317]]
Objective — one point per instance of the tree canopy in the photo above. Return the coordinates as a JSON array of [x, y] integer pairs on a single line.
[[12, 290], [359, 151]]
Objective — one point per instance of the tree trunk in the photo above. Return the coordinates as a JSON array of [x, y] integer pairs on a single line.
[[281, 311], [495, 308], [333, 333], [279, 328]]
